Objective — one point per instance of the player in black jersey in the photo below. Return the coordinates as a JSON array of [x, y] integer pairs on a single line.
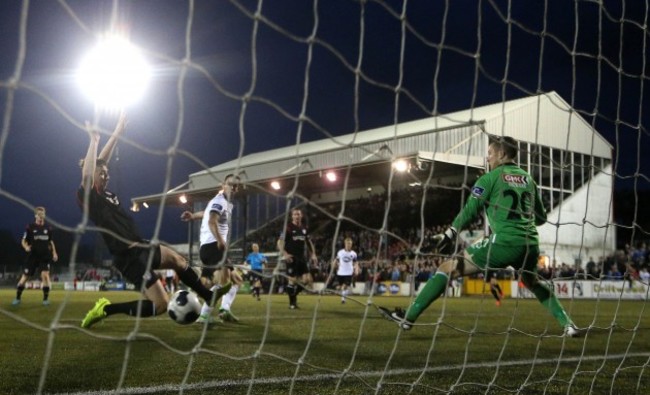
[[133, 256], [41, 252], [291, 245]]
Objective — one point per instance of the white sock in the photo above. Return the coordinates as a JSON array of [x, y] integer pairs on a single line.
[[229, 298], [206, 309]]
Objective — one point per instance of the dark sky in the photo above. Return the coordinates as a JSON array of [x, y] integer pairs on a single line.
[[41, 147]]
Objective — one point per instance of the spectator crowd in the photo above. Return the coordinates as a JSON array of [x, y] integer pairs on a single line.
[[406, 250]]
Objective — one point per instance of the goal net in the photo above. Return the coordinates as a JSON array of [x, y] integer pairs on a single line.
[[372, 117]]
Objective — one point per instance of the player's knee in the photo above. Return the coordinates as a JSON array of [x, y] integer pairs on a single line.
[[172, 258], [235, 277], [150, 279], [447, 266], [529, 279], [160, 307]]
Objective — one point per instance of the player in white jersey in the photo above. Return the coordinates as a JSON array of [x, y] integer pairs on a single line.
[[346, 267], [215, 226]]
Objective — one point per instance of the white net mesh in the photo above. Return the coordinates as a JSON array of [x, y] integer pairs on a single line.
[[236, 79]]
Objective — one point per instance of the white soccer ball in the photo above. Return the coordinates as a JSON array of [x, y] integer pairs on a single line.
[[184, 307]]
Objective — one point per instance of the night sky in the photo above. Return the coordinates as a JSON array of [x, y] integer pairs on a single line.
[[452, 59]]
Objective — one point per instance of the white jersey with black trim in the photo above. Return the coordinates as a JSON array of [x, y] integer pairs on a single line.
[[220, 205], [346, 261]]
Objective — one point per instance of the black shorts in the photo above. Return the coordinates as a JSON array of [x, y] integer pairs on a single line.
[[255, 275], [132, 263], [297, 267], [211, 256], [344, 280], [36, 262]]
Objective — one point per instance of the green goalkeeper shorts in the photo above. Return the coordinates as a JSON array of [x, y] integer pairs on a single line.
[[488, 256]]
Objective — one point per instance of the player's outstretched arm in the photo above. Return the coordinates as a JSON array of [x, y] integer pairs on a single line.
[[190, 216], [107, 151], [89, 161]]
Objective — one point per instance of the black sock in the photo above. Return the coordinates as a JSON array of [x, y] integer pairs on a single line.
[[19, 291], [494, 293], [46, 293], [291, 291], [192, 280], [131, 308]]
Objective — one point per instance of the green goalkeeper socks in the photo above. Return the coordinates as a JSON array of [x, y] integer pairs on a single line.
[[432, 290], [437, 285], [551, 303]]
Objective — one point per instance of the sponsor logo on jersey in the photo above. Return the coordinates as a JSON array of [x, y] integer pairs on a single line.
[[217, 206], [515, 180], [478, 191], [111, 198]]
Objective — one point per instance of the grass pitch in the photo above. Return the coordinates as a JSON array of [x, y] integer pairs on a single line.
[[460, 346]]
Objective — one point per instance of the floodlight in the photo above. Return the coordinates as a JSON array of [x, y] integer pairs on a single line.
[[401, 165], [114, 74], [331, 176], [182, 199], [275, 185]]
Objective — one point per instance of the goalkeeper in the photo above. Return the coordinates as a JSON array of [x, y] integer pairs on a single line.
[[509, 196]]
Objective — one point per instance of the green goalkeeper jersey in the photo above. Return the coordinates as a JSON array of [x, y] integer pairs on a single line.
[[512, 204]]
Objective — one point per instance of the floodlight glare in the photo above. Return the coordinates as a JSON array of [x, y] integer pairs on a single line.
[[275, 185], [114, 74], [400, 165], [331, 176], [182, 199]]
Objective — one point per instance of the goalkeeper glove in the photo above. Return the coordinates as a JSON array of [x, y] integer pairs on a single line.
[[445, 241]]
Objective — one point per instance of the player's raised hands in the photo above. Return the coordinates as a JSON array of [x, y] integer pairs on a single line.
[[92, 132]]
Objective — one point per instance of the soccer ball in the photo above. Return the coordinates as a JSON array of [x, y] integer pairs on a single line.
[[184, 307]]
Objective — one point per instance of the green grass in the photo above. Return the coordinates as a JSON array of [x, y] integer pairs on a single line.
[[324, 348]]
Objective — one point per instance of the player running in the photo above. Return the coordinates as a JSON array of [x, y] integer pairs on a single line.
[[509, 196], [41, 252], [256, 262], [495, 289], [291, 245], [215, 228], [346, 267]]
